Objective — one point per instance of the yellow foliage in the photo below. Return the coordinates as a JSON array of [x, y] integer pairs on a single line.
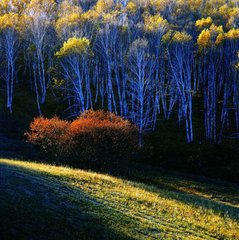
[[57, 83], [195, 4], [103, 5], [109, 17], [232, 34], [223, 10], [159, 5], [176, 36], [191, 5], [4, 6], [216, 29], [15, 6], [73, 18], [204, 38], [181, 37], [131, 7], [67, 21], [220, 38], [11, 21], [90, 15], [231, 22], [167, 36], [154, 23], [39, 6], [8, 20], [204, 22], [68, 8], [228, 12], [213, 35], [211, 6], [74, 46]]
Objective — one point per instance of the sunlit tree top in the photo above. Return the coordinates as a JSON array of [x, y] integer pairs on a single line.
[[74, 46]]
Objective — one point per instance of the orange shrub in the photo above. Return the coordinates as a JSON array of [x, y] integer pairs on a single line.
[[49, 134], [103, 137], [96, 137]]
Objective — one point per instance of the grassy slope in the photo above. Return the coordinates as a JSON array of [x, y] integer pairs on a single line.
[[40, 201]]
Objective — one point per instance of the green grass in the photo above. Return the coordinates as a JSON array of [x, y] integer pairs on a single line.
[[40, 201]]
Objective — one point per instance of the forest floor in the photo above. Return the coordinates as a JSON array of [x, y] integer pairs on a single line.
[[42, 201]]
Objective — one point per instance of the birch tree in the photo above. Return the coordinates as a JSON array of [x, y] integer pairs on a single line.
[[141, 88], [39, 15], [73, 60]]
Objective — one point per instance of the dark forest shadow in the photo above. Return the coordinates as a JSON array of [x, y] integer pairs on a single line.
[[33, 206]]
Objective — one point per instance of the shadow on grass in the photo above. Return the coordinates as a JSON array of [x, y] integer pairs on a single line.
[[35, 207]]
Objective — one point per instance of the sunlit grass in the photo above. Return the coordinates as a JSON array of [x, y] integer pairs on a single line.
[[139, 210]]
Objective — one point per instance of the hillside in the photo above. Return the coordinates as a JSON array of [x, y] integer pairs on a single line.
[[40, 201]]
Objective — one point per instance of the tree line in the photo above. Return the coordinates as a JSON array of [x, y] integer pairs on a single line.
[[140, 59]]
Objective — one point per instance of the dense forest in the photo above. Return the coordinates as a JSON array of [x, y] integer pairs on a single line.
[[138, 59]]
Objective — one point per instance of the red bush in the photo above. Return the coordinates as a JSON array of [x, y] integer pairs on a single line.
[[50, 134], [96, 136], [103, 136]]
